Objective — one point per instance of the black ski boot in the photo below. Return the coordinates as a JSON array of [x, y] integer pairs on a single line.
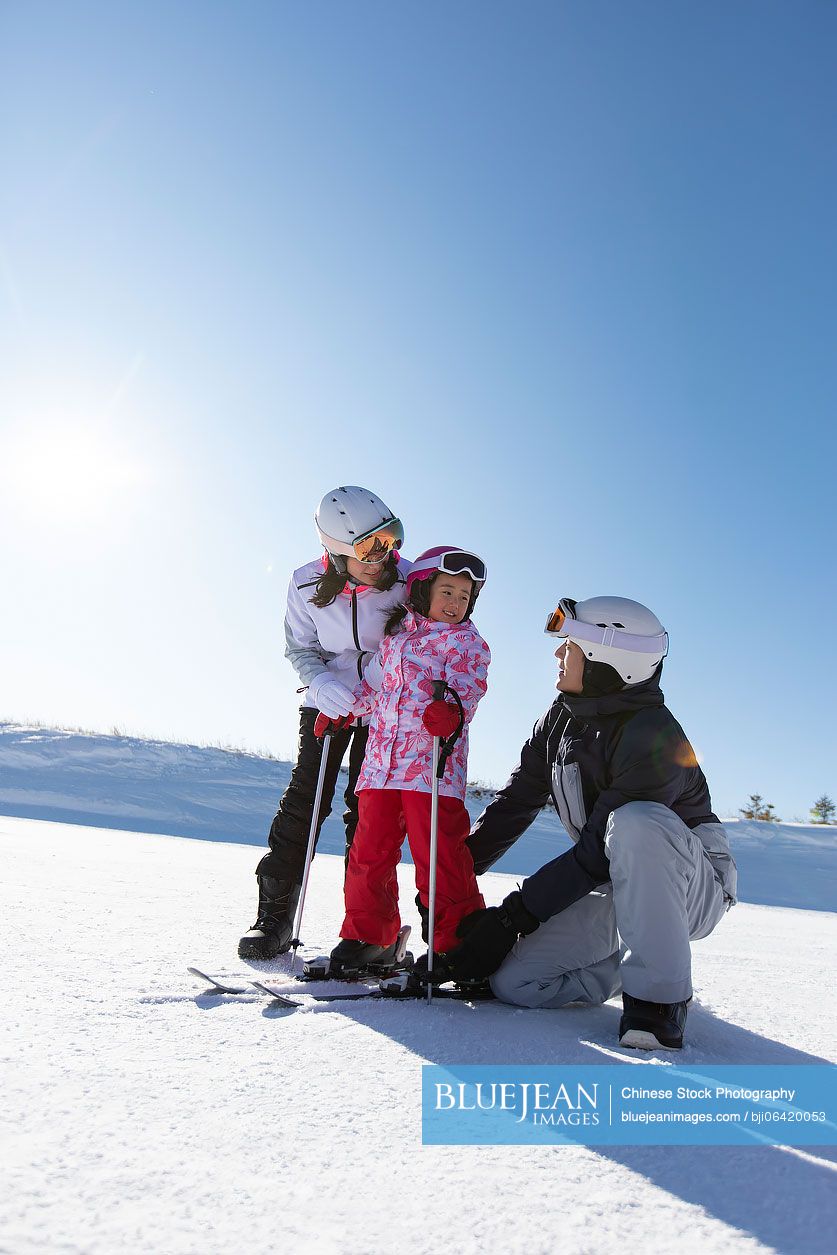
[[351, 957], [357, 960], [273, 930], [652, 1025]]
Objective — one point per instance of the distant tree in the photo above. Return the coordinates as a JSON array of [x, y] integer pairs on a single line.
[[823, 810], [754, 807], [757, 808]]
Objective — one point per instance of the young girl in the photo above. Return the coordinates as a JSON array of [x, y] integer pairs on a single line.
[[430, 638]]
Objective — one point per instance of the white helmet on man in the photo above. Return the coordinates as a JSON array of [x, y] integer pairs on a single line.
[[353, 523], [621, 633]]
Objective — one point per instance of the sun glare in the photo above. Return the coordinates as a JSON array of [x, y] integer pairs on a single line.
[[73, 474]]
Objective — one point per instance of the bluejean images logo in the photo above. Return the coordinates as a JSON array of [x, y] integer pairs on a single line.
[[630, 1104], [555, 1105]]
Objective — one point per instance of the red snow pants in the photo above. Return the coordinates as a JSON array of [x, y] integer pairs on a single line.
[[371, 883]]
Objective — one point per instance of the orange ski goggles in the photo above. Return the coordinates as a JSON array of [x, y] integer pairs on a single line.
[[380, 542], [563, 611]]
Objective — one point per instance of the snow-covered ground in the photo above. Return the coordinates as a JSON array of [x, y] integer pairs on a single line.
[[218, 795], [140, 1114]]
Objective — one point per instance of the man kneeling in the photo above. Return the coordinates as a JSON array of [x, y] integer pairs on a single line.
[[651, 865]]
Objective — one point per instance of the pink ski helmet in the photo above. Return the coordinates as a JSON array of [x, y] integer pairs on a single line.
[[452, 561]]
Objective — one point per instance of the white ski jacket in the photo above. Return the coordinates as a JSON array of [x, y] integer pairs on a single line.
[[341, 638]]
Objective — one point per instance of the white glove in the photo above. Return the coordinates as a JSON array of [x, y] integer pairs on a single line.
[[330, 696]]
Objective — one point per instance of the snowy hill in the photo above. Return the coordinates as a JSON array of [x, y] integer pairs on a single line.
[[142, 1115], [217, 795]]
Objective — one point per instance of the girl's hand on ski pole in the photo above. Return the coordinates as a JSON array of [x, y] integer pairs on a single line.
[[323, 724], [440, 718]]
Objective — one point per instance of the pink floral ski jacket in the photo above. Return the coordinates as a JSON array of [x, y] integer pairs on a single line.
[[399, 753]]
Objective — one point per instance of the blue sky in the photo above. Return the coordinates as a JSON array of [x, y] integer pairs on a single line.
[[556, 280]]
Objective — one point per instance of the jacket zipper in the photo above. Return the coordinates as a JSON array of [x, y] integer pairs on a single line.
[[355, 634]]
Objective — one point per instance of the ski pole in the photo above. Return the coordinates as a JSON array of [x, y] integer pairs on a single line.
[[312, 836], [440, 757], [434, 846]]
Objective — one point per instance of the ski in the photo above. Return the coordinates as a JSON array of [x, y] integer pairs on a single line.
[[275, 994], [316, 970], [399, 987], [381, 995], [218, 986], [396, 986], [285, 1001], [222, 985], [393, 980]]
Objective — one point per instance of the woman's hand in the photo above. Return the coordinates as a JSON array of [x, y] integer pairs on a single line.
[[330, 696]]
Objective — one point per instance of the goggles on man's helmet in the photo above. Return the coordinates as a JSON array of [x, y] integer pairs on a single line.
[[380, 542], [453, 562], [562, 622], [564, 611]]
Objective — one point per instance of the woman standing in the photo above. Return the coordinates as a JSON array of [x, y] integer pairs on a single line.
[[337, 612]]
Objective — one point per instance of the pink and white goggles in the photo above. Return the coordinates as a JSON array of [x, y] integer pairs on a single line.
[[452, 562]]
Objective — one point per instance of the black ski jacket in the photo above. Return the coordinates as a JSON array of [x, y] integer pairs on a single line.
[[592, 754]]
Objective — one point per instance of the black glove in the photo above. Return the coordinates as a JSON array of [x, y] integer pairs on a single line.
[[424, 915], [489, 936], [440, 969]]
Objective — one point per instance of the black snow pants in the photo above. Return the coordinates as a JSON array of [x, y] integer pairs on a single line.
[[288, 837]]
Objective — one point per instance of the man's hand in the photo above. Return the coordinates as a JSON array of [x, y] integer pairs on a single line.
[[323, 724], [440, 718], [330, 696], [489, 936]]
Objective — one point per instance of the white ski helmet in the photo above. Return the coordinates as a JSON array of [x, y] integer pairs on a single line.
[[352, 522], [621, 633]]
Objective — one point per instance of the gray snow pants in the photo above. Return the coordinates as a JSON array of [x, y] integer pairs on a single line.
[[663, 891]]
